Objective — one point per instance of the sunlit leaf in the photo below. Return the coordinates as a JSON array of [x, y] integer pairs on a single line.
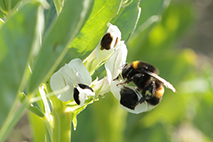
[[93, 30]]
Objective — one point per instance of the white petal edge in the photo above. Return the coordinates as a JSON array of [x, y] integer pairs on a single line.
[[116, 61], [115, 33]]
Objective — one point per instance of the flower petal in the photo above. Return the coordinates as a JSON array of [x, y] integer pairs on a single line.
[[116, 89], [60, 80], [78, 72], [116, 61], [104, 49], [81, 92], [111, 38], [70, 75], [101, 87]]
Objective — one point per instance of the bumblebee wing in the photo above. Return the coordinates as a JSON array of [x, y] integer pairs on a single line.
[[166, 83]]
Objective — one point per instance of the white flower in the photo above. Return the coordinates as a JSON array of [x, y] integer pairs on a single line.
[[74, 75], [101, 86], [104, 49]]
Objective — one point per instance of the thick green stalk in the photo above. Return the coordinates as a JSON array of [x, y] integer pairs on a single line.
[[61, 128]]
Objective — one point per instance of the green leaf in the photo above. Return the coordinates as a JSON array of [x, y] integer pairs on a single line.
[[50, 15], [160, 36], [93, 30], [16, 40], [7, 5], [58, 5], [126, 26], [54, 47], [150, 8], [12, 119], [151, 11], [31, 107]]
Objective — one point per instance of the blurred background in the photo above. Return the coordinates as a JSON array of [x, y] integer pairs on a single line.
[[177, 38]]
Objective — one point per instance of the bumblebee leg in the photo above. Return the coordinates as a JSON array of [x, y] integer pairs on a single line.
[[117, 77], [126, 82], [147, 92], [142, 100]]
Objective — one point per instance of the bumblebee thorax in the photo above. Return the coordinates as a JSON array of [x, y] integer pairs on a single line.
[[135, 64]]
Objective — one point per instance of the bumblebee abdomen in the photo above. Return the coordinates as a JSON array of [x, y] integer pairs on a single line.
[[154, 101]]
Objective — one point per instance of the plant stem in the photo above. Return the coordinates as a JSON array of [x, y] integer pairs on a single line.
[[62, 126], [61, 121]]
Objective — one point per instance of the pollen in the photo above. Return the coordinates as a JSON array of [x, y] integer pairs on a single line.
[[148, 94]]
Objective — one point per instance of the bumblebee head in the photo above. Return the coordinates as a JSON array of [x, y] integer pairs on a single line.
[[126, 70]]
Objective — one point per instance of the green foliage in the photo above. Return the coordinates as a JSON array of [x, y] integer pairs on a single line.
[[38, 37], [15, 55], [56, 41], [7, 5]]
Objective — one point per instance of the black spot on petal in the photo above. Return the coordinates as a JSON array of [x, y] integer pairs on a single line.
[[106, 41], [76, 96], [83, 86]]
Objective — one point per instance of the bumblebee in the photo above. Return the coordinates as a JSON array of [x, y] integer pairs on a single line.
[[136, 72], [146, 79]]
